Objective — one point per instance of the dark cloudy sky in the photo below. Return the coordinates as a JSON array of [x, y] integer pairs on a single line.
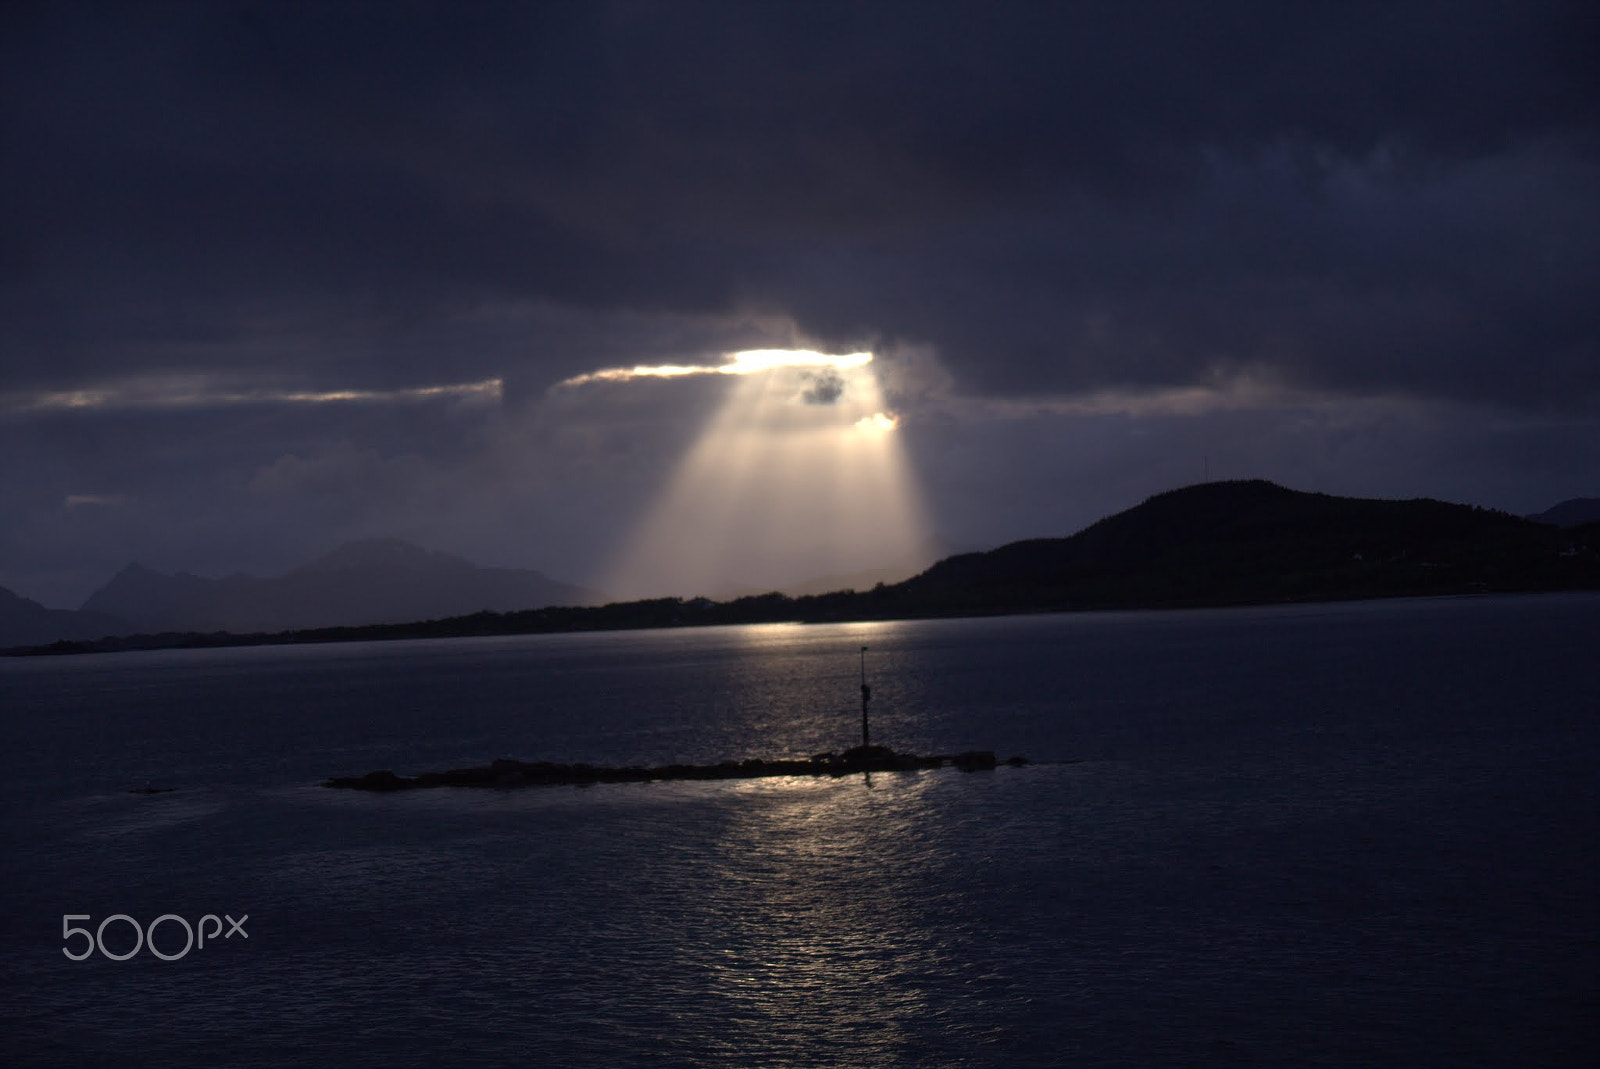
[[262, 264]]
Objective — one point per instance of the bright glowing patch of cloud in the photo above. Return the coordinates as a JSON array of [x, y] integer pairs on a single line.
[[763, 359], [878, 422], [745, 363], [1239, 394], [184, 393], [77, 501]]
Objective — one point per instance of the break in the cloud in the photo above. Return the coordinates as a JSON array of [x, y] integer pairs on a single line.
[[1100, 235], [751, 362]]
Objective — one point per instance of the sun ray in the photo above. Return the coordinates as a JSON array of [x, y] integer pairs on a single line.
[[788, 482]]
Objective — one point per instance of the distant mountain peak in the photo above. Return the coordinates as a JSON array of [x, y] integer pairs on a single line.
[[1570, 513], [136, 577], [363, 581], [133, 580], [25, 622]]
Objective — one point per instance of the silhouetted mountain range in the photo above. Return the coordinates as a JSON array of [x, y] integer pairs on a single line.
[[1222, 543], [1573, 513], [373, 581], [24, 622]]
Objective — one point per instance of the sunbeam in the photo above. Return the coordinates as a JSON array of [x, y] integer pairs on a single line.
[[797, 476]]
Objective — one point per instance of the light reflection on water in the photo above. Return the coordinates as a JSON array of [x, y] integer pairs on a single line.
[[826, 941], [1346, 834]]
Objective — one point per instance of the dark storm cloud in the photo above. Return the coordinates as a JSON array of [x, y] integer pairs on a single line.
[[1369, 198], [823, 388], [1366, 235]]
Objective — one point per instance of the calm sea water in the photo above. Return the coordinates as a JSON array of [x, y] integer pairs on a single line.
[[1331, 835]]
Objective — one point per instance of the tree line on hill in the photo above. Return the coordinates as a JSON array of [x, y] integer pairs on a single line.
[[1245, 542]]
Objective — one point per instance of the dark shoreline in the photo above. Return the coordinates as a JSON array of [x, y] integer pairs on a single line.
[[509, 773], [505, 625]]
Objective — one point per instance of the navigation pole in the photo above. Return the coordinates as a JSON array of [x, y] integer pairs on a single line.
[[866, 696]]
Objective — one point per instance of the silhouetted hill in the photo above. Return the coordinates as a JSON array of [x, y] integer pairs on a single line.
[[24, 622], [371, 581], [1573, 513], [1255, 541], [1224, 543]]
